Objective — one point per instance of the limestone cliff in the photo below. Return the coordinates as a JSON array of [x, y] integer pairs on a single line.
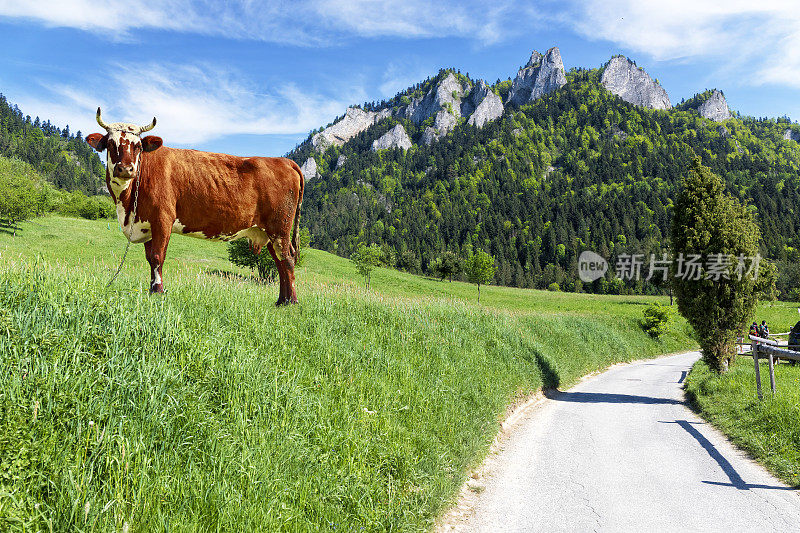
[[541, 75], [715, 108], [622, 77], [354, 122], [394, 138], [309, 169]]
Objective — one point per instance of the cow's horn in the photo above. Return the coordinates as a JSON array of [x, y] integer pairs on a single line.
[[100, 120], [149, 126]]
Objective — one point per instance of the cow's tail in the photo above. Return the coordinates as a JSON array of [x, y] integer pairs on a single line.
[[296, 225]]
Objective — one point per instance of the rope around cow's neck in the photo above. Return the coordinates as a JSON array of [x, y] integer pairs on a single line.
[[128, 245]]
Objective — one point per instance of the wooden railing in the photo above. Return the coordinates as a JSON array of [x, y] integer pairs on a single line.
[[770, 350]]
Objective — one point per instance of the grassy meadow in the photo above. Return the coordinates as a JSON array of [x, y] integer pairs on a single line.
[[209, 409], [770, 429]]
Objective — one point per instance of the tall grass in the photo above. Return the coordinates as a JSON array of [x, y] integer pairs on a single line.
[[209, 409]]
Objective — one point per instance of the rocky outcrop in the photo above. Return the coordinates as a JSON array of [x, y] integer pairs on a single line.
[[450, 100], [309, 169], [341, 161], [790, 135], [622, 77], [482, 105], [446, 95], [715, 108], [541, 75], [394, 138], [723, 131], [444, 101], [355, 121]]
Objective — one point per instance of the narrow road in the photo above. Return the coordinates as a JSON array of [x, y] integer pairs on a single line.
[[622, 452]]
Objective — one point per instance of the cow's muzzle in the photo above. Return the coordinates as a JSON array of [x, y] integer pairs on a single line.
[[123, 171]]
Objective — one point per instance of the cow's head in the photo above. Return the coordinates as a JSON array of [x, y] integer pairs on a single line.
[[124, 146]]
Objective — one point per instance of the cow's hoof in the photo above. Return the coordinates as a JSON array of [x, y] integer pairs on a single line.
[[158, 289]]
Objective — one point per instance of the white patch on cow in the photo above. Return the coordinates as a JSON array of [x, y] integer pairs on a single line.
[[117, 185], [277, 244], [180, 229], [156, 277], [255, 234], [136, 232]]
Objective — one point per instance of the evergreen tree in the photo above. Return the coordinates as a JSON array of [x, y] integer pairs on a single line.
[[710, 224]]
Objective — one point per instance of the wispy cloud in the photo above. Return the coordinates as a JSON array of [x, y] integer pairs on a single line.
[[400, 74], [763, 35], [193, 103], [302, 22]]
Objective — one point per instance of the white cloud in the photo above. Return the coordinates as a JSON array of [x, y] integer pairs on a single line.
[[304, 22], [193, 104], [763, 35]]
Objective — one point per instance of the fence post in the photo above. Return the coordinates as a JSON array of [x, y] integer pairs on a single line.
[[758, 372], [771, 360]]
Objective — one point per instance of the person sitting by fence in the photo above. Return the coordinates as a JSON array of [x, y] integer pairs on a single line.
[[754, 330], [764, 330], [794, 340]]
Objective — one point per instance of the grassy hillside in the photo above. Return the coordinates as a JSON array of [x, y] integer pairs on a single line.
[[207, 408]]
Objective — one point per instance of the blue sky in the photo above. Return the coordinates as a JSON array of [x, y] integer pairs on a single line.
[[253, 78]]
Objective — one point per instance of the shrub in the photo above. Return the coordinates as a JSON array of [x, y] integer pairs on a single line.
[[656, 319], [76, 204], [553, 287], [240, 253]]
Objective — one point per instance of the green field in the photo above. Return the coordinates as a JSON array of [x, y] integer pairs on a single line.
[[769, 429], [209, 409]]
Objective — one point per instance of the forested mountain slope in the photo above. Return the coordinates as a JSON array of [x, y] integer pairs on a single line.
[[575, 168], [63, 158]]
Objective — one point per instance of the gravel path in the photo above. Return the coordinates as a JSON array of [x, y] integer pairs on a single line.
[[622, 452]]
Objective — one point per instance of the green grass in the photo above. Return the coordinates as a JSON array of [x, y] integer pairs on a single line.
[[209, 409], [770, 429]]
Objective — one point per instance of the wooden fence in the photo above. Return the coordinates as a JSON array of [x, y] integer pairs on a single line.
[[770, 350]]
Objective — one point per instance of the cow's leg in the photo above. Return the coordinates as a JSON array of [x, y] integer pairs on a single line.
[[285, 264], [281, 276], [155, 250]]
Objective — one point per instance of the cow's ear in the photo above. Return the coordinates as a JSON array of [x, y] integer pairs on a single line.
[[151, 142], [97, 141]]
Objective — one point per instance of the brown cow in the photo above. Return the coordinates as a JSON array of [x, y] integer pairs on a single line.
[[201, 194]]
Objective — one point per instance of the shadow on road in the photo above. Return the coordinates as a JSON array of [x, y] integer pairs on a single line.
[[605, 397], [733, 475], [684, 373]]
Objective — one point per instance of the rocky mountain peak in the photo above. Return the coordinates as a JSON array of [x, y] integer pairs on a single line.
[[715, 108], [534, 61], [541, 75], [445, 96], [622, 77]]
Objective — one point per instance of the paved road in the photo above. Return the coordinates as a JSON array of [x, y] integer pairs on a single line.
[[622, 452]]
